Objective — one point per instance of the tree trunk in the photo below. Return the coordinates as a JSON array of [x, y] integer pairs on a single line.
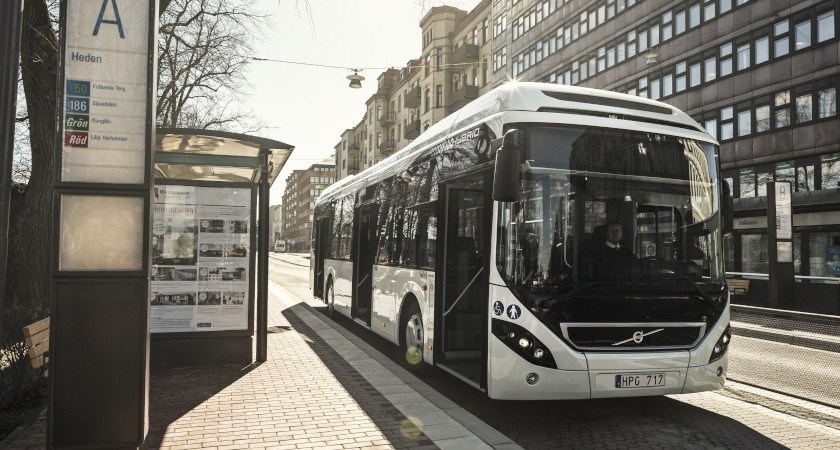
[[30, 227]]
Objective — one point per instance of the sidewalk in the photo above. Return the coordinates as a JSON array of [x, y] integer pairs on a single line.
[[321, 388]]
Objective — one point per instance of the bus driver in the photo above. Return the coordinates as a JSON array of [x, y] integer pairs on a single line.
[[614, 259]]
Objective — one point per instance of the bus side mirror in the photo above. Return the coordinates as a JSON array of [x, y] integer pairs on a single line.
[[507, 172], [726, 209]]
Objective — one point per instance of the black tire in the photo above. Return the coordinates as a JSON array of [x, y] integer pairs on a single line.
[[412, 338]]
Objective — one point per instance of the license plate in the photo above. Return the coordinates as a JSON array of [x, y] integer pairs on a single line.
[[639, 380]]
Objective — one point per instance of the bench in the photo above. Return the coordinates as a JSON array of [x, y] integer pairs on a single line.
[[738, 286], [37, 338]]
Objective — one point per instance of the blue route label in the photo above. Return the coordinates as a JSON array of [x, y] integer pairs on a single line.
[[77, 105], [77, 88]]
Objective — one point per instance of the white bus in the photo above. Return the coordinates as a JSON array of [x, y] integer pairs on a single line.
[[279, 246], [481, 247]]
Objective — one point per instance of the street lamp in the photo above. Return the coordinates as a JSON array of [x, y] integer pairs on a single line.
[[355, 79]]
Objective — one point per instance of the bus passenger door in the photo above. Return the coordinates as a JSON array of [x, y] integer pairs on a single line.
[[461, 322], [321, 230], [365, 240]]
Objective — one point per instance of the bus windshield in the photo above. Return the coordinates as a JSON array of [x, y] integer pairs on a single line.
[[613, 210]]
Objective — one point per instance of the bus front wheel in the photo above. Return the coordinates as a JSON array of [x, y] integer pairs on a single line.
[[412, 337]]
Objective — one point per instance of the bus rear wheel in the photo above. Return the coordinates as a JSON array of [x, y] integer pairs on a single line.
[[412, 338]]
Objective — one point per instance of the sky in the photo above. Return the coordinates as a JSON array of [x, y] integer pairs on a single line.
[[308, 106]]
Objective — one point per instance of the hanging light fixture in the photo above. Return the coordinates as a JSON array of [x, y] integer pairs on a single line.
[[355, 79]]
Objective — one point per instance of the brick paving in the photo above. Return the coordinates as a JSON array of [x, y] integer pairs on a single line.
[[305, 396]]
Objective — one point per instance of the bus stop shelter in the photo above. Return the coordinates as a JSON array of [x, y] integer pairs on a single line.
[[210, 231]]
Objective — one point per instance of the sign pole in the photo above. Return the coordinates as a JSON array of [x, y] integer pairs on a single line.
[[780, 244], [11, 16], [99, 327]]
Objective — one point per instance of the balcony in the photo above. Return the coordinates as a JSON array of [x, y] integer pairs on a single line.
[[353, 166], [412, 130], [461, 97], [388, 118], [388, 146], [465, 54], [412, 98], [352, 148]]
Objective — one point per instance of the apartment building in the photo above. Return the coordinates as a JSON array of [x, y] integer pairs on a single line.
[[451, 71], [761, 75], [275, 215], [302, 189]]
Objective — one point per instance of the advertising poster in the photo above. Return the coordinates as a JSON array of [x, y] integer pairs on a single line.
[[200, 258]]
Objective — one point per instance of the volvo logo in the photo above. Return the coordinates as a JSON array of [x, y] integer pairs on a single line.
[[638, 337]]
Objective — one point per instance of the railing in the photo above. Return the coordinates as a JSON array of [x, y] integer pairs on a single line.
[[462, 96], [812, 294], [412, 98], [412, 129], [467, 53], [388, 118]]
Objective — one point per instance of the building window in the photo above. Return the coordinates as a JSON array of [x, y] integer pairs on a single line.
[[802, 34], [693, 16], [782, 43], [726, 59], [428, 99], [754, 253], [827, 103], [726, 126], [746, 180], [679, 23], [830, 171], [782, 109], [667, 85], [803, 108], [743, 56], [762, 118], [725, 6], [711, 128], [762, 49], [439, 96], [709, 11], [711, 68], [805, 177], [744, 123], [825, 26], [694, 75], [681, 76]]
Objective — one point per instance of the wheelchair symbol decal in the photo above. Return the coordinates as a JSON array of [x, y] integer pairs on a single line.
[[498, 308], [513, 312]]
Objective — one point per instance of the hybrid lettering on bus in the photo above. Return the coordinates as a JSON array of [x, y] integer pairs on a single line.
[[543, 242]]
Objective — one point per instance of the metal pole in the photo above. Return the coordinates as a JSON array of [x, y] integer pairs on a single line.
[[11, 17], [262, 262]]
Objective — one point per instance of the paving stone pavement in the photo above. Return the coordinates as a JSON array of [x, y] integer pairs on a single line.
[[311, 393]]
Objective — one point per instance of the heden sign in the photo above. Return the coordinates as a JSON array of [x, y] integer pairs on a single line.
[[104, 114]]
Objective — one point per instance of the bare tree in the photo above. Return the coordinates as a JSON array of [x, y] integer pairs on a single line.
[[204, 47]]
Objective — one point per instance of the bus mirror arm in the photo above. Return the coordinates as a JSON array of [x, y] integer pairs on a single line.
[[726, 209], [508, 171]]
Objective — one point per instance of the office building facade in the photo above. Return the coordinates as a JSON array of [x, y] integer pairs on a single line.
[[761, 75]]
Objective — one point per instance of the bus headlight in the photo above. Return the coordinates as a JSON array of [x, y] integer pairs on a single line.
[[722, 344], [523, 343]]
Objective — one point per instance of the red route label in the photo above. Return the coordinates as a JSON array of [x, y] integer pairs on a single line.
[[75, 139]]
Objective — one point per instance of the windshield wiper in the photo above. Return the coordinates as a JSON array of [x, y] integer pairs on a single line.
[[706, 297], [566, 296]]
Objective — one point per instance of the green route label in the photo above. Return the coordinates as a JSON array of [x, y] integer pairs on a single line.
[[76, 122]]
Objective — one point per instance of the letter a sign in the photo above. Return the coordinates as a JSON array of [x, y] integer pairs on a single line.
[[106, 74]]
